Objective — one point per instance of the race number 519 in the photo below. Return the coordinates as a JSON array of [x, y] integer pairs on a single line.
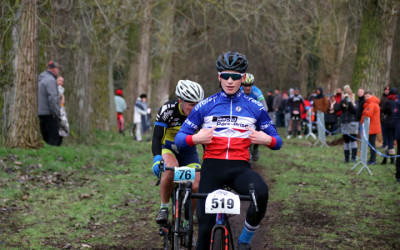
[[222, 201]]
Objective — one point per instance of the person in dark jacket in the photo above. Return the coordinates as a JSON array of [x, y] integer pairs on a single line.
[[387, 125], [382, 102], [348, 123], [396, 126], [49, 104], [330, 116]]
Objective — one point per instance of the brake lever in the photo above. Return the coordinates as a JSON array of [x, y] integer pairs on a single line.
[[159, 169]]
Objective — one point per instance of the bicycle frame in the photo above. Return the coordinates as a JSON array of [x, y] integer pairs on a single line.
[[173, 231], [222, 222]]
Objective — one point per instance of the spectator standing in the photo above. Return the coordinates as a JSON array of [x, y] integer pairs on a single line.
[[63, 123], [396, 125], [349, 123], [381, 104], [140, 115], [372, 110], [387, 125], [277, 104], [49, 104], [320, 103], [304, 114], [330, 116], [360, 106], [286, 111], [60, 83], [120, 107], [270, 104], [295, 102], [338, 98]]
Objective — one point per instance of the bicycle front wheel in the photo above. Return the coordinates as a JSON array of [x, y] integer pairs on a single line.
[[183, 230]]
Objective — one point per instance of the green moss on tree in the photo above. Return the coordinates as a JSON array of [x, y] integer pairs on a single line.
[[370, 36]]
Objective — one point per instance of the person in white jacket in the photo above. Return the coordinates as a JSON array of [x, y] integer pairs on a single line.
[[140, 114]]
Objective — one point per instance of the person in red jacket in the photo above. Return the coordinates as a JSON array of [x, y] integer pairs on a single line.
[[372, 110]]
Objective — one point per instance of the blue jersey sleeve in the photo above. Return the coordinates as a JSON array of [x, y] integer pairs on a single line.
[[256, 94]]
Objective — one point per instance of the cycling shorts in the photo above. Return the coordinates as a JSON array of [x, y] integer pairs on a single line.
[[295, 117], [186, 157]]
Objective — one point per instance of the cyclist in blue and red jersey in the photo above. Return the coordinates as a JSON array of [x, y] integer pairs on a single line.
[[169, 120], [228, 123], [249, 89]]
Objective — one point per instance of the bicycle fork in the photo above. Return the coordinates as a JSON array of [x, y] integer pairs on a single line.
[[220, 219]]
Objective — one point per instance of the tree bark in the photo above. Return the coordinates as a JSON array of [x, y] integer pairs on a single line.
[[372, 65], [139, 81], [22, 127], [166, 44]]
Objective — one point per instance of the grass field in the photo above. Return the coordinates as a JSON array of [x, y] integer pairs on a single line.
[[103, 196]]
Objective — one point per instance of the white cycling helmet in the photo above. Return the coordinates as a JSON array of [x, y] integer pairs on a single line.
[[189, 91]]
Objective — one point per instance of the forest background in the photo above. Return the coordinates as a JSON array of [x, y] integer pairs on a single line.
[[146, 46]]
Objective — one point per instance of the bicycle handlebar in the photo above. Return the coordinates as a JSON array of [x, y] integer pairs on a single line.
[[251, 197], [163, 169]]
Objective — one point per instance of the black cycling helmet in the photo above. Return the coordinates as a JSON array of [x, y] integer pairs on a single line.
[[232, 61]]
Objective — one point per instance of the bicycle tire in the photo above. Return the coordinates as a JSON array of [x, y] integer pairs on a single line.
[[219, 237], [183, 235], [188, 215], [178, 222]]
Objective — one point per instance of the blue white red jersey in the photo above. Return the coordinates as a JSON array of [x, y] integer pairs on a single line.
[[255, 93], [230, 115]]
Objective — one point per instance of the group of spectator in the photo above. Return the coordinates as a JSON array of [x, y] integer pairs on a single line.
[[53, 120], [344, 111]]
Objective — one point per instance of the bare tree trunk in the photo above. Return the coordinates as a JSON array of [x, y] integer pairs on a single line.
[[372, 65], [166, 45], [139, 81], [334, 79], [80, 109], [22, 130], [395, 62], [112, 112], [144, 55]]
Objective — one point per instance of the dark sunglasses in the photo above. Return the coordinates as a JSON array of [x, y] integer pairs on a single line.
[[234, 76]]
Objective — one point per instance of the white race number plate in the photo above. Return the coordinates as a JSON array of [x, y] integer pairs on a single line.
[[222, 201]]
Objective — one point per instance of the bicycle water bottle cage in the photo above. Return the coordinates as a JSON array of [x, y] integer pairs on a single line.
[[222, 201], [184, 174]]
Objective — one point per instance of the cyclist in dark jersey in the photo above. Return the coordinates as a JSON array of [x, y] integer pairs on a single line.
[[295, 113], [169, 120], [228, 123]]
